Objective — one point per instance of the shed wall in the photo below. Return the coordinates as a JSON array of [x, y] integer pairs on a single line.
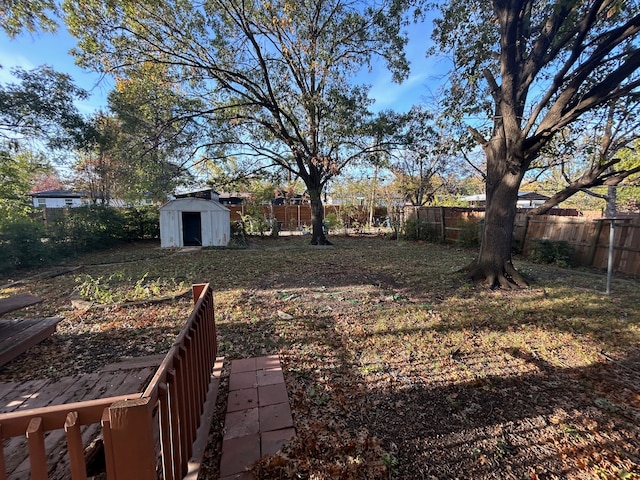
[[170, 228], [215, 223]]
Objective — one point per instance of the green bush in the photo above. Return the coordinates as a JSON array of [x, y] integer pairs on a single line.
[[238, 235], [552, 252], [23, 244], [88, 228], [332, 222], [469, 234], [414, 229], [141, 223]]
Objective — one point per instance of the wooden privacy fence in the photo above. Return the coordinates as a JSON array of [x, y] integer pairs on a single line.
[[296, 217], [589, 240], [147, 435], [588, 237]]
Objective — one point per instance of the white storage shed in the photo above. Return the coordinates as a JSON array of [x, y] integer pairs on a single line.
[[190, 221]]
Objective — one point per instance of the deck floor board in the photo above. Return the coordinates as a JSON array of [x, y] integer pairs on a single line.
[[17, 302], [41, 393], [18, 336]]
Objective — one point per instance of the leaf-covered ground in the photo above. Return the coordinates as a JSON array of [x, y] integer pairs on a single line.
[[396, 367]]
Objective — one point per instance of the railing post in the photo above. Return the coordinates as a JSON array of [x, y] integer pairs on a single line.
[[197, 291], [105, 422], [132, 439], [75, 447], [37, 454]]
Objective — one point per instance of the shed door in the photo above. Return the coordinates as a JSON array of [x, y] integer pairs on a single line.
[[191, 229]]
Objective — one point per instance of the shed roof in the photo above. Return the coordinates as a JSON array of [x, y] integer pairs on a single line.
[[192, 204]]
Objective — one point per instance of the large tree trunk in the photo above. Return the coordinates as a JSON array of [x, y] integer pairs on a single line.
[[503, 181], [317, 218]]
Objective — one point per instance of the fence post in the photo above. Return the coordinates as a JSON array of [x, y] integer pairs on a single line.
[[611, 254], [594, 244], [443, 226], [132, 439], [524, 233]]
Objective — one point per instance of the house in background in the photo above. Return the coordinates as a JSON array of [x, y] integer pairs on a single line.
[[234, 198], [58, 199], [205, 193], [525, 200]]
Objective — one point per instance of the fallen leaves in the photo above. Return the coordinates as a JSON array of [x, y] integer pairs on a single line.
[[395, 366]]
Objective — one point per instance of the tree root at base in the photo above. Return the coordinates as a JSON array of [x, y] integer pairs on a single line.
[[506, 277]]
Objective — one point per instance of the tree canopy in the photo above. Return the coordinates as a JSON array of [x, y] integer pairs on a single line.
[[274, 79], [33, 15], [41, 106]]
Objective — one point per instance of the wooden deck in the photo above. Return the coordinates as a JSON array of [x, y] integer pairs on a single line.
[[19, 335], [119, 379], [16, 302]]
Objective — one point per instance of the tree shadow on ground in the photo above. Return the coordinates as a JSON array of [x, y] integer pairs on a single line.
[[460, 408]]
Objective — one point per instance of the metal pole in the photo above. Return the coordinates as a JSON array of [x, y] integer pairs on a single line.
[[610, 258]]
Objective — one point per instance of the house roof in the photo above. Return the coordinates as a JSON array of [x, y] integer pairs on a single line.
[[532, 196], [201, 193], [57, 194]]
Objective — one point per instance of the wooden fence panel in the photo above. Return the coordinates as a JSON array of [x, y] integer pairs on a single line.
[[588, 237], [626, 246], [576, 231]]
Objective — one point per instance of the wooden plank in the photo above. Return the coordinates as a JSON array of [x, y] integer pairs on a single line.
[[10, 329], [135, 363], [16, 302], [114, 384], [21, 393], [54, 392], [75, 448], [52, 396], [37, 453], [37, 331], [38, 396], [7, 390], [3, 468]]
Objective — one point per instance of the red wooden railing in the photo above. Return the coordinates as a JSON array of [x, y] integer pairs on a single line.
[[147, 435]]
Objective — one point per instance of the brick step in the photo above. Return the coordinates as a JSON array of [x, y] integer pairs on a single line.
[[258, 420]]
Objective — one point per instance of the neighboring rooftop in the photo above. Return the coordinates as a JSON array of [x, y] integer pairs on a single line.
[[57, 194]]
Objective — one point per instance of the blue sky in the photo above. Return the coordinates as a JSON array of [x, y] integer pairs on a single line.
[[31, 50]]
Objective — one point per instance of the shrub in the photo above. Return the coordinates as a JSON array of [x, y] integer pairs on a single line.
[[238, 235], [141, 223], [469, 234], [332, 222], [414, 229], [552, 252], [88, 228], [23, 244]]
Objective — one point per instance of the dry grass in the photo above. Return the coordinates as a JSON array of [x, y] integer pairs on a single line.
[[396, 366]]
